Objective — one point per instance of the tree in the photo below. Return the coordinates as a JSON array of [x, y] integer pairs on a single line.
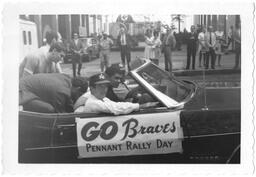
[[179, 18]]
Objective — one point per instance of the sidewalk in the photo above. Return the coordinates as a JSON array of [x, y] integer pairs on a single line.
[[179, 59]]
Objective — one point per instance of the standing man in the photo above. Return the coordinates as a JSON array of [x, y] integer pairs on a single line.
[[237, 40], [169, 44], [202, 47], [40, 62], [124, 42], [191, 47], [115, 75], [210, 42], [76, 47], [50, 38], [105, 46]]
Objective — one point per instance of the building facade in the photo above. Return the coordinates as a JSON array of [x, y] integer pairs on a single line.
[[82, 24], [223, 21]]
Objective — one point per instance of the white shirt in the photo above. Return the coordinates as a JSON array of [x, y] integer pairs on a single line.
[[94, 105], [123, 39], [219, 34], [201, 37]]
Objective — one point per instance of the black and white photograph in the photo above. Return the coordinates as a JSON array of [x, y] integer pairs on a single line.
[[129, 87]]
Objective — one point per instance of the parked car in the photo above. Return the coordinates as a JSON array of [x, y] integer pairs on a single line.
[[90, 50], [195, 121]]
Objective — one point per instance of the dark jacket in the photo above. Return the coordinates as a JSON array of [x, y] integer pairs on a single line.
[[111, 95], [192, 40], [76, 47], [128, 40], [54, 89]]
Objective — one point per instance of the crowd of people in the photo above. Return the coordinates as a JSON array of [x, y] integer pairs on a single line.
[[211, 45], [45, 88], [202, 41]]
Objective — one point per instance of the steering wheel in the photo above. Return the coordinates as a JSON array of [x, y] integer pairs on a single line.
[[139, 95]]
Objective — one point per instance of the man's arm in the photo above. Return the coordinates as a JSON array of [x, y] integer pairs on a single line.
[[58, 68], [29, 66], [118, 108]]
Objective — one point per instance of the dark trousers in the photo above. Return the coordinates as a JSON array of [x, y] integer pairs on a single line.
[[200, 57], [39, 106], [76, 59], [191, 52], [125, 54], [237, 57], [168, 58], [210, 53]]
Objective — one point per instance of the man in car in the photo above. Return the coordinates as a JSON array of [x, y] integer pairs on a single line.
[[115, 75], [50, 93], [39, 62], [97, 102]]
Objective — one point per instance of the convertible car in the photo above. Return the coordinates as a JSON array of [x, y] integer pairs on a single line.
[[197, 120]]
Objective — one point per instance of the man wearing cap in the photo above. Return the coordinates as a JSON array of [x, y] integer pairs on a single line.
[[50, 93], [115, 75], [105, 46], [124, 42], [39, 62], [97, 102]]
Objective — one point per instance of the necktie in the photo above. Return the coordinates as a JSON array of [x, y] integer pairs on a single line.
[[210, 38]]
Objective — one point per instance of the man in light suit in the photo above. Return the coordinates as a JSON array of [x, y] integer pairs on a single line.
[[76, 47], [124, 42], [169, 42], [211, 43]]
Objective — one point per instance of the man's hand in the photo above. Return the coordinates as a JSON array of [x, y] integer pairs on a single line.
[[148, 105]]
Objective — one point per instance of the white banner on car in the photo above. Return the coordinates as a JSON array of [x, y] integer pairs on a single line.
[[157, 133]]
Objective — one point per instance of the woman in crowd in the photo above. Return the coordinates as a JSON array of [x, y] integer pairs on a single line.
[[148, 53], [218, 48], [156, 45]]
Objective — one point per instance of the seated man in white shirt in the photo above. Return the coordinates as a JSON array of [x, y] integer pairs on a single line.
[[97, 102]]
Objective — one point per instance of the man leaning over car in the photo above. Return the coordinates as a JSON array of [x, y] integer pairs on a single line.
[[97, 102], [50, 93]]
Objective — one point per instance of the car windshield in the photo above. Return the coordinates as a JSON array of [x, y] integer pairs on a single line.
[[164, 83]]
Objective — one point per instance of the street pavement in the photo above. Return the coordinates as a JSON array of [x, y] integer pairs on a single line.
[[179, 62]]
